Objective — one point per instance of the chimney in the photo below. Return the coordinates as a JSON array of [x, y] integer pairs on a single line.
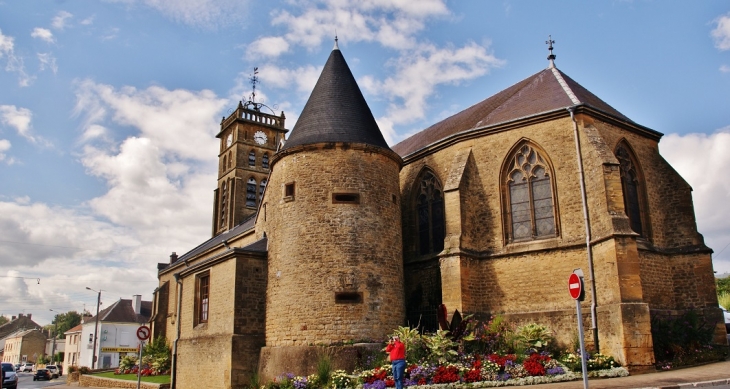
[[137, 303], [173, 257], [28, 316], [20, 315], [14, 317]]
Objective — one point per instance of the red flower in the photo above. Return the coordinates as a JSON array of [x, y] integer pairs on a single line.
[[389, 383], [445, 375], [474, 375]]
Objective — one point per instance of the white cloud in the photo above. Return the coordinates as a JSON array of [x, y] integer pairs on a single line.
[[721, 33], [18, 118], [88, 21], [197, 13], [4, 147], [47, 60], [725, 69], [59, 21], [416, 75], [700, 159], [391, 23], [272, 46], [42, 34], [14, 63]]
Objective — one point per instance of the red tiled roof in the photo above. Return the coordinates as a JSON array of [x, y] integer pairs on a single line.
[[545, 91]]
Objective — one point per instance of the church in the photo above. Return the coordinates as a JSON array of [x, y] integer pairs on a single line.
[[327, 236]]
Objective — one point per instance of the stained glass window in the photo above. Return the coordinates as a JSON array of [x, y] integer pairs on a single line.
[[430, 211]]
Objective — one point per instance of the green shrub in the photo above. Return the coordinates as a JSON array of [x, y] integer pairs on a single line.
[[724, 300], [84, 370], [533, 336], [324, 369], [684, 340]]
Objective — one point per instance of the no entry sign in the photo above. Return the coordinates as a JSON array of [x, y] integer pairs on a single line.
[[575, 286]]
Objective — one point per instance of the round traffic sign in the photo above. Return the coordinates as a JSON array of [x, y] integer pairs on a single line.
[[575, 286], [143, 332]]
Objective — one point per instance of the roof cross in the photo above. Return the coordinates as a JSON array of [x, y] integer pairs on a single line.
[[550, 57]]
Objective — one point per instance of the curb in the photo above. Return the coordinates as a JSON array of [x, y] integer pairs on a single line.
[[703, 384]]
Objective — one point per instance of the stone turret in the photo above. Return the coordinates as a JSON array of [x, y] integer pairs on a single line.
[[331, 214]]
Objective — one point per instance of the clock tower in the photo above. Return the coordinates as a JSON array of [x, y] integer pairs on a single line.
[[249, 139]]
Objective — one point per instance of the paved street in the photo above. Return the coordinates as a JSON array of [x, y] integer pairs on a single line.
[[26, 382]]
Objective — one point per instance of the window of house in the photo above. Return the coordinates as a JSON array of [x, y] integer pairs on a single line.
[[430, 211], [252, 158], [224, 204], [230, 160], [251, 192], [265, 161], [529, 195], [225, 163], [631, 186], [202, 295]]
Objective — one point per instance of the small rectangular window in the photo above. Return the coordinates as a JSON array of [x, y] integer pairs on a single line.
[[346, 198], [289, 190], [348, 297]]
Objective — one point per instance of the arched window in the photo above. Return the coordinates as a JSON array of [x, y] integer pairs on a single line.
[[529, 195], [265, 161], [252, 158], [224, 204], [225, 163], [230, 159], [430, 211], [631, 185], [251, 192], [262, 186]]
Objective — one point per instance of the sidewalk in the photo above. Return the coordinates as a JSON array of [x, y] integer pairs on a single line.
[[713, 374]]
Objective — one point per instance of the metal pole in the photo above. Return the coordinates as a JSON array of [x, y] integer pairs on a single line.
[[582, 344], [96, 327], [139, 369], [586, 219], [53, 348]]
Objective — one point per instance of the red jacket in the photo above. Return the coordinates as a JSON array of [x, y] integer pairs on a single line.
[[397, 350]]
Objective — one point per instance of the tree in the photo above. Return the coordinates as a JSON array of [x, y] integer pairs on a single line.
[[723, 285], [3, 320], [66, 321]]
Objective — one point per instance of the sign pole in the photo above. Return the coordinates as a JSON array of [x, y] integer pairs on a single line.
[[139, 370], [575, 288]]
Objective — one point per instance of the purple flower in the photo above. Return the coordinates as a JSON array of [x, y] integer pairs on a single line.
[[555, 370], [375, 385]]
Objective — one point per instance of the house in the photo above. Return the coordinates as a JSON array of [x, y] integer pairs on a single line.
[[72, 352], [24, 346], [329, 236], [116, 333], [16, 323]]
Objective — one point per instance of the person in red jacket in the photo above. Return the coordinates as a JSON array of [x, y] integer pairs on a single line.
[[397, 351]]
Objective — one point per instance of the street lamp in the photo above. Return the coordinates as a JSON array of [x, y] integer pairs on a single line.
[[55, 335], [96, 326]]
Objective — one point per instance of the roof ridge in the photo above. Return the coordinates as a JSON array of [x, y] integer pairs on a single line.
[[109, 310], [565, 86]]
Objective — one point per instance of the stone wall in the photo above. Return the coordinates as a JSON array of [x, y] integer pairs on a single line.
[[102, 382]]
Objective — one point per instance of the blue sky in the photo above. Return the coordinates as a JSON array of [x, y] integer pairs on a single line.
[[108, 109]]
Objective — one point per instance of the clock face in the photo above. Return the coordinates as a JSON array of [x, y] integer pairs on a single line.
[[229, 140], [260, 137]]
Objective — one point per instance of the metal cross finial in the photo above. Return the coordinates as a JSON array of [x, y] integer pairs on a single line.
[[550, 57], [254, 80], [337, 47]]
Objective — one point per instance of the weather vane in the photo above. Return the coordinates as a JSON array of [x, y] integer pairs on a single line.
[[550, 57], [251, 103]]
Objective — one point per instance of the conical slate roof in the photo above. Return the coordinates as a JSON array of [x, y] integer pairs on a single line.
[[545, 91], [336, 110]]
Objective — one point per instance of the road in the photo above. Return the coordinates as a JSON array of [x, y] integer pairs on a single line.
[[25, 381]]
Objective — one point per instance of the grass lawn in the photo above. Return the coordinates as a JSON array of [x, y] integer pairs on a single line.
[[156, 379]]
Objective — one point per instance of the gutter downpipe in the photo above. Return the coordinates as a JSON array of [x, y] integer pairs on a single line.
[[589, 249], [173, 378]]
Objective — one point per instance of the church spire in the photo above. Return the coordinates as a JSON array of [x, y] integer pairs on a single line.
[[337, 47], [551, 57]]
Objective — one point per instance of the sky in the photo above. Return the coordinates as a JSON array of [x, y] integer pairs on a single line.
[[109, 109]]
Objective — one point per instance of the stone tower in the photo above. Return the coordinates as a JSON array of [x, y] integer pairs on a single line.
[[331, 215], [249, 138]]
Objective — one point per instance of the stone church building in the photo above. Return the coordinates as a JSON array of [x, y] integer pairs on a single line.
[[328, 236]]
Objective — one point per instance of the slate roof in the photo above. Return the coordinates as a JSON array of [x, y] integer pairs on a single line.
[[218, 239], [20, 323], [336, 110], [545, 91], [122, 312]]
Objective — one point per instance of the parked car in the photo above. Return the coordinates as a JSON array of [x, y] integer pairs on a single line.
[[42, 374], [26, 367], [54, 371], [9, 377], [17, 366]]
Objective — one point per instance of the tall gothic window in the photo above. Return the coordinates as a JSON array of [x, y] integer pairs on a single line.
[[430, 210], [265, 161], [252, 158], [529, 196], [631, 186], [230, 159], [225, 163], [251, 192], [224, 204]]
